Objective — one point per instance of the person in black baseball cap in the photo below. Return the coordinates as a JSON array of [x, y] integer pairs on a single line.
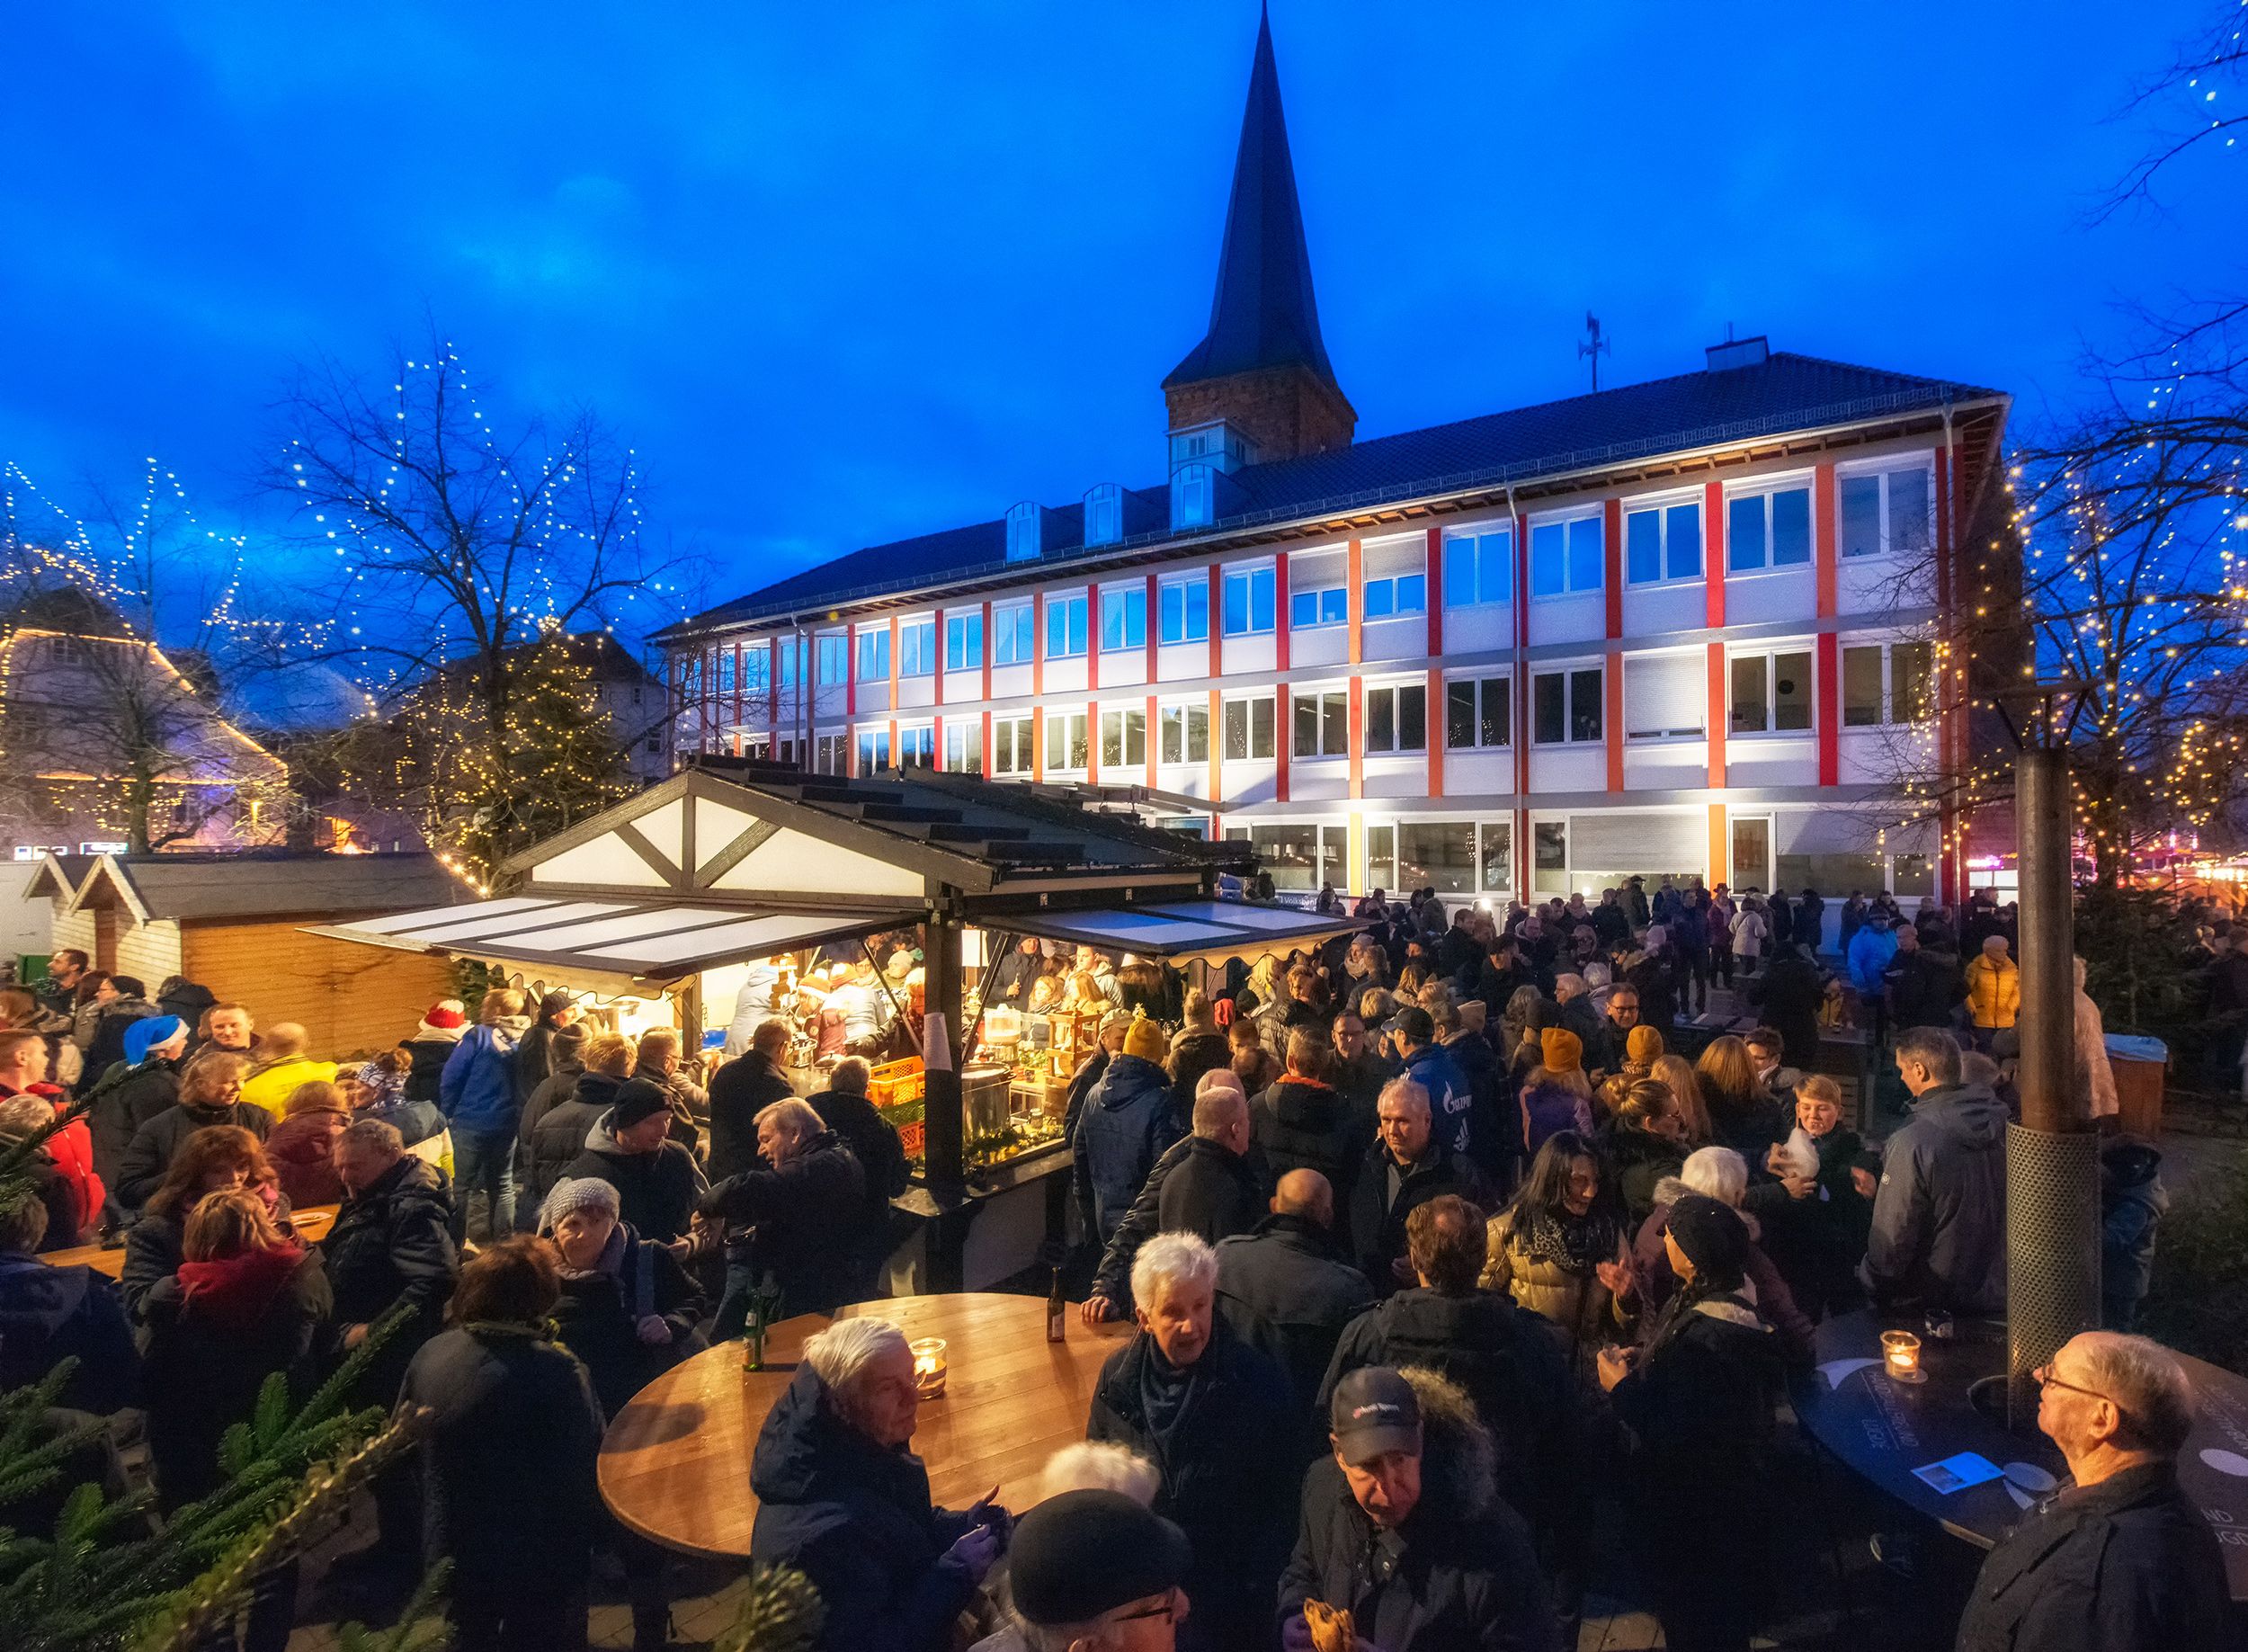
[[1097, 1569]]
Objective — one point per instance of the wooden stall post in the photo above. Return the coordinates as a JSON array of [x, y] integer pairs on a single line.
[[941, 1100]]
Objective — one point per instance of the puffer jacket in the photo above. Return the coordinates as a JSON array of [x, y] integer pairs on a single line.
[[856, 1519], [1302, 1124], [555, 1138], [1577, 1306], [70, 1150], [1127, 1123], [1993, 988], [1939, 1214], [477, 1087], [270, 1086], [122, 1099], [1869, 955], [392, 1244]]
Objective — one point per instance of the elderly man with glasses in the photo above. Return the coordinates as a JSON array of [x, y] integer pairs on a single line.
[[2120, 1561]]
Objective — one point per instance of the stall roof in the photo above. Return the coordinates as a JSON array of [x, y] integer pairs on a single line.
[[1182, 931]]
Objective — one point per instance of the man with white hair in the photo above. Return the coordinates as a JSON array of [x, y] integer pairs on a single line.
[[1406, 1166], [807, 1204], [842, 1497], [2122, 1560], [1110, 1297], [1218, 1417]]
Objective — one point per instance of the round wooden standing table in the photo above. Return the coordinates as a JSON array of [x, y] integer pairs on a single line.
[[674, 1464]]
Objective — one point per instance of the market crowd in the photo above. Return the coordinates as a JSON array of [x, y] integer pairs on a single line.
[[1435, 1244]]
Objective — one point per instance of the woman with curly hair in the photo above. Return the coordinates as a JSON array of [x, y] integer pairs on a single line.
[[222, 1159]]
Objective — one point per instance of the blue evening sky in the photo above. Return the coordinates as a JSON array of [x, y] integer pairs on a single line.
[[851, 271]]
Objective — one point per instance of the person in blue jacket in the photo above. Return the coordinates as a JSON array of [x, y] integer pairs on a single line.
[[1451, 1097], [1128, 1122], [1871, 950], [478, 1093]]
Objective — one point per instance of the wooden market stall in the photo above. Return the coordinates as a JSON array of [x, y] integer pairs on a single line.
[[733, 860]]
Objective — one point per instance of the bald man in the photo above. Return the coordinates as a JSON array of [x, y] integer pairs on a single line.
[[1284, 1286], [1213, 1192]]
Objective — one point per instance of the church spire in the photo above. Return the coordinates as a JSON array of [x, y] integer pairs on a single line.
[[1263, 340]]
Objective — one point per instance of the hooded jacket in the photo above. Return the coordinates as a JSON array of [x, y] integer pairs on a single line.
[[154, 1144], [216, 1330], [810, 1215], [1775, 1297], [392, 1243], [1939, 1214], [270, 1086], [1112, 1276], [856, 1519], [1286, 1290], [69, 1154], [49, 1314], [1127, 1123], [1460, 1574], [1226, 1447], [1213, 1192], [1869, 955], [1451, 1097], [658, 1190], [122, 1099], [1302, 1124], [1507, 1360], [555, 1136], [2127, 1565], [477, 1087], [1994, 991]]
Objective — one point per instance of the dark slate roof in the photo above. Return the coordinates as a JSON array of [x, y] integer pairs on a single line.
[[1784, 393], [253, 883], [1263, 313]]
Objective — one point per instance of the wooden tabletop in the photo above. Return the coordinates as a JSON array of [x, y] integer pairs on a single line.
[[311, 1223], [674, 1466]]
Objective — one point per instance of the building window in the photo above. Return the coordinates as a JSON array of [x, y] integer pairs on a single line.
[[1309, 609], [1665, 695], [1065, 740], [1396, 595], [1248, 602], [1768, 529], [1300, 856], [834, 659], [830, 754], [874, 750], [917, 649], [1010, 634], [1910, 696], [1478, 567], [1663, 542], [726, 672], [1453, 857], [1249, 729], [1105, 514], [1566, 556], [1397, 718], [1065, 627], [1011, 749], [1123, 619], [1185, 733], [1771, 692], [1887, 512], [964, 747], [874, 654], [1322, 724], [1123, 739], [917, 746], [964, 640], [788, 652], [1185, 604], [1479, 713], [1025, 531], [757, 670], [1550, 857], [1565, 706]]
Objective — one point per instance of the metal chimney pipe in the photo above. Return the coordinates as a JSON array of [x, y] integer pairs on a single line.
[[2052, 1155]]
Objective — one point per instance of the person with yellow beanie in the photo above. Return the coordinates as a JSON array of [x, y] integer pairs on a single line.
[[1559, 1096], [1128, 1122]]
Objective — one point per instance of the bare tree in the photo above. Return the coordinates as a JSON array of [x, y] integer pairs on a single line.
[[466, 556], [2193, 102]]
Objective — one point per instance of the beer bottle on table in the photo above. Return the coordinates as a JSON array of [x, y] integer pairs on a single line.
[[1057, 1309]]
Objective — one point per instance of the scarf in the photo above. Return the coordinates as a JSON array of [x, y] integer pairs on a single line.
[[1576, 1243]]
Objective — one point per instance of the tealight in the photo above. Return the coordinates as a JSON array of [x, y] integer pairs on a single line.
[[929, 1366], [1900, 1353]]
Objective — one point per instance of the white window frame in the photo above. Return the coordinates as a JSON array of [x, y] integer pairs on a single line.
[[1271, 700], [1476, 680], [959, 629], [1700, 660], [1764, 487], [1567, 522], [1014, 744], [1187, 589], [1060, 608], [831, 752], [1886, 648], [1180, 715], [964, 746], [1248, 579], [831, 659], [1104, 515], [1569, 671], [1129, 598], [757, 668], [871, 744], [1771, 653], [915, 747], [917, 637], [1017, 624], [1661, 505], [1317, 595], [875, 640], [1881, 471], [1396, 826], [1059, 723], [1472, 542], [1333, 698], [1396, 583], [1396, 689], [1125, 719]]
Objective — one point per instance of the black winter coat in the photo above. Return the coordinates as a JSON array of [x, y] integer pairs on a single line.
[[1112, 1276], [873, 1141], [150, 1152], [1378, 1221], [1789, 994], [657, 1191], [1285, 1289], [1511, 1366], [598, 1318], [108, 1048], [810, 1215], [1924, 988], [429, 1056], [1223, 1441], [2127, 1565], [1640, 1158], [155, 1246], [739, 1090], [508, 1492], [1446, 1581], [124, 1099], [49, 1314], [856, 1518], [1305, 1125], [553, 1137], [1212, 1191], [392, 1243]]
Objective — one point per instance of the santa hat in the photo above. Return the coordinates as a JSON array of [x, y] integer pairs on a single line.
[[443, 1019]]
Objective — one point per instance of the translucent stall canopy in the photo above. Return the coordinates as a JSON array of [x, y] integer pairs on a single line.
[[1184, 931], [621, 943]]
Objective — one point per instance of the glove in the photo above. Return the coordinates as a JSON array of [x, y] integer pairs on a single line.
[[975, 1550], [653, 1330]]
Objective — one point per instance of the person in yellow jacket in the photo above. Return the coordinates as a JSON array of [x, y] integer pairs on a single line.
[[1994, 988], [282, 1066]]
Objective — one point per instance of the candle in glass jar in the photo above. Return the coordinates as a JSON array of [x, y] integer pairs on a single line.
[[929, 1366], [1900, 1352]]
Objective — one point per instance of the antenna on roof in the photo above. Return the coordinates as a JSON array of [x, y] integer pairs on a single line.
[[1594, 346]]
